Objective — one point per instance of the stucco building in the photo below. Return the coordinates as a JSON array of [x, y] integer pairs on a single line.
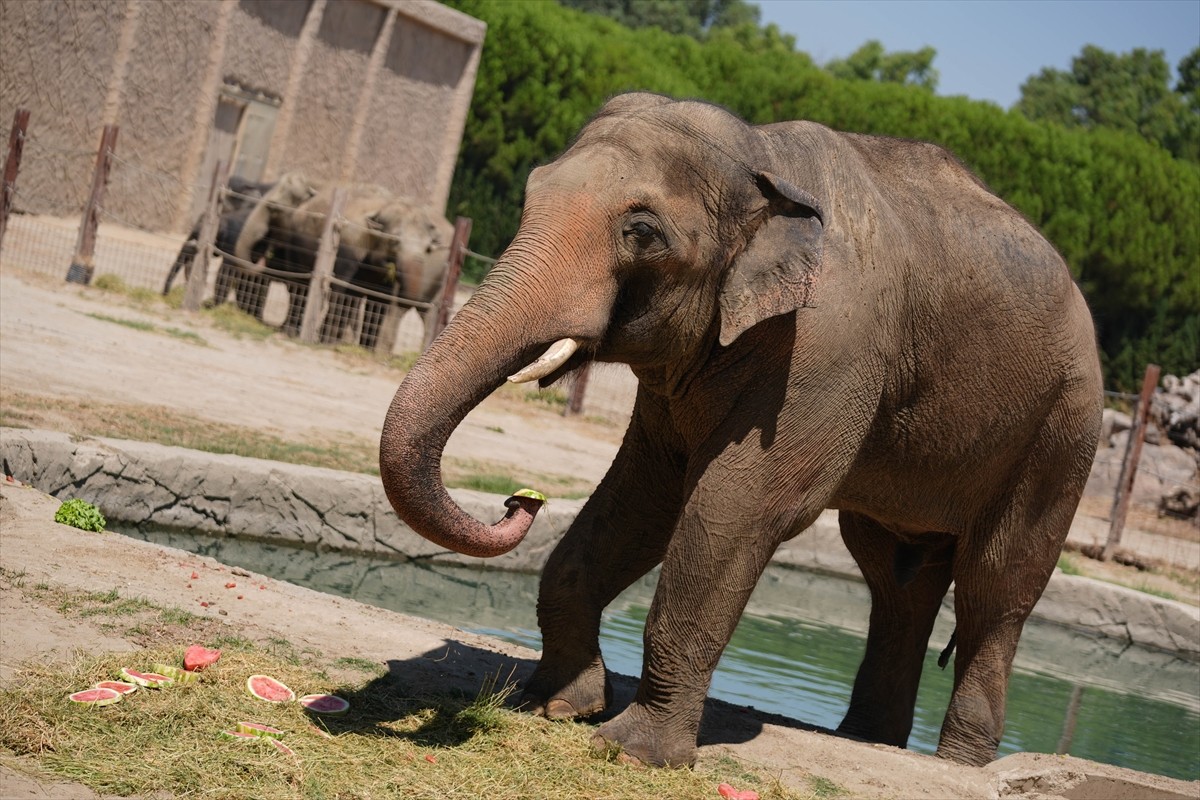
[[350, 90]]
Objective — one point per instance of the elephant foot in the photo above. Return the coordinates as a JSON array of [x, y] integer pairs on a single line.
[[567, 693], [641, 741]]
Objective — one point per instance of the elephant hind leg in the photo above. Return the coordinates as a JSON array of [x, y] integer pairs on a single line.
[[908, 580]]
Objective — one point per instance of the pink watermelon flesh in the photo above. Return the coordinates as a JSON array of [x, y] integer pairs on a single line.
[[324, 703], [197, 657], [257, 729], [95, 697], [281, 747], [245, 737], [120, 687], [264, 687]]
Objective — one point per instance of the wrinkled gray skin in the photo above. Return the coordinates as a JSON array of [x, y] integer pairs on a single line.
[[817, 320], [387, 244]]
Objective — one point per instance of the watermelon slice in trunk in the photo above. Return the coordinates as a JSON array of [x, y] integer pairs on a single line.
[[151, 680], [96, 697], [264, 687], [120, 687], [197, 657], [324, 704]]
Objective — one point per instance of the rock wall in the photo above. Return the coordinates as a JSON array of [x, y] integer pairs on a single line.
[[225, 495]]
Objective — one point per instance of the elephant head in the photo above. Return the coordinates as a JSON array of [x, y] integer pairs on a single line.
[[416, 240], [272, 211], [663, 232]]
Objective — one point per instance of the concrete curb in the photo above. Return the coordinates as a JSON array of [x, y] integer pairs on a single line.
[[141, 483]]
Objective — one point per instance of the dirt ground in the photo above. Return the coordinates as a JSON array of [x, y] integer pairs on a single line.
[[61, 340]]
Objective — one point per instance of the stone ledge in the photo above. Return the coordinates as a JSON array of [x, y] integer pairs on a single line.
[[225, 495]]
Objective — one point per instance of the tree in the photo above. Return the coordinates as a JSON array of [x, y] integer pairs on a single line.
[[1127, 92], [872, 63], [693, 18]]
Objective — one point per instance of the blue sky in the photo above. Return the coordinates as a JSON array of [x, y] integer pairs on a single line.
[[987, 48]]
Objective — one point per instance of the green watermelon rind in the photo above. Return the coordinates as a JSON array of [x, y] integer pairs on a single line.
[[259, 730], [101, 701], [250, 688], [179, 676], [309, 700], [241, 737], [133, 676]]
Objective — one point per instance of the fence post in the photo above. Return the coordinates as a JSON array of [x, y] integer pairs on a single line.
[[1129, 465], [197, 279], [575, 400], [84, 264], [438, 317], [16, 144], [316, 303]]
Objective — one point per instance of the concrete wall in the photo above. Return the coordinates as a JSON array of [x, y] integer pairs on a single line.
[[142, 483], [365, 90]]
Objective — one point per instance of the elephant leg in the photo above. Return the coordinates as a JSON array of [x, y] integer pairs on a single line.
[[295, 316], [619, 536], [908, 580], [227, 278], [1000, 569], [373, 314], [342, 308]]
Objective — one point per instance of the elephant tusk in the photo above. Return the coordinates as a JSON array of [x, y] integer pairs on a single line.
[[555, 356]]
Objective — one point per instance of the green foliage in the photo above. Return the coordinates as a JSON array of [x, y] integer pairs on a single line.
[[1122, 91], [871, 63], [692, 18], [80, 514], [1121, 210]]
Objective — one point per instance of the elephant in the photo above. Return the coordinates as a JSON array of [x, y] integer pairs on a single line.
[[387, 245], [235, 208], [816, 319]]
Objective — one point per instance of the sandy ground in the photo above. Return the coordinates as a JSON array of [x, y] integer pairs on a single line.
[[50, 345]]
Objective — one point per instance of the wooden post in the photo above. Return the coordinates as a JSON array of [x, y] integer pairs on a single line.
[[439, 316], [1129, 465], [84, 263], [317, 303], [575, 401], [16, 144], [197, 279]]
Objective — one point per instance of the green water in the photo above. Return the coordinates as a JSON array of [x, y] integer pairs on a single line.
[[796, 652]]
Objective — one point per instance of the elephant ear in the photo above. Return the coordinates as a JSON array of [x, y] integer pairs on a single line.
[[778, 270]]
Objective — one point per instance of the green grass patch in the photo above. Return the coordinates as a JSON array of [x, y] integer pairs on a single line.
[[1068, 565], [238, 323], [397, 740], [137, 325]]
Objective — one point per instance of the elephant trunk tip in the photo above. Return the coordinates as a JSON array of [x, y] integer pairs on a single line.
[[522, 509]]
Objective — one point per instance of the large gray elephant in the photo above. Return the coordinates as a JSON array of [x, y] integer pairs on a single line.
[[817, 320], [388, 245]]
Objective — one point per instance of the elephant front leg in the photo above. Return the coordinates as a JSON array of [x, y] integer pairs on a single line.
[[619, 536]]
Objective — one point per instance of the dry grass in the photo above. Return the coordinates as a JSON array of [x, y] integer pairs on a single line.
[[397, 740]]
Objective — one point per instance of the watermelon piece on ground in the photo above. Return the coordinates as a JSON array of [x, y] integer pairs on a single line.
[[324, 703], [281, 747], [258, 729], [96, 697], [180, 676], [242, 737], [197, 657], [120, 687], [151, 680], [264, 687]]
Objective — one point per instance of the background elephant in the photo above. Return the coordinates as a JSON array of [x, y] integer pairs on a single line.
[[387, 245], [236, 205], [817, 320]]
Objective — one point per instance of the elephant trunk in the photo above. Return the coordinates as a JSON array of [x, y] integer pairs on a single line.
[[255, 228]]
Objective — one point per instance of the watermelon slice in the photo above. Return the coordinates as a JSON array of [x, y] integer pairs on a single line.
[[264, 687], [197, 657], [151, 680], [243, 737], [180, 676], [281, 747], [257, 729], [96, 697], [120, 687], [324, 703]]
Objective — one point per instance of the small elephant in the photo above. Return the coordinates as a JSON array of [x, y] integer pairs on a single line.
[[236, 206], [816, 320]]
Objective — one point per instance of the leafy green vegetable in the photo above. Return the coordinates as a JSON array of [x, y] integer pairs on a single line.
[[80, 514]]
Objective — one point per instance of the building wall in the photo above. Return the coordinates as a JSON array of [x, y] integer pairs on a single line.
[[67, 62]]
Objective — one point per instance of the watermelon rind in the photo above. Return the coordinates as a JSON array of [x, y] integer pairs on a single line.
[[324, 703], [280, 693], [120, 687], [241, 736], [95, 697], [258, 729], [150, 680], [176, 674]]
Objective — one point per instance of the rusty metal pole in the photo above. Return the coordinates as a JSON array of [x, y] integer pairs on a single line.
[[575, 400], [12, 166], [1129, 465], [440, 315], [197, 279], [316, 304], [84, 264]]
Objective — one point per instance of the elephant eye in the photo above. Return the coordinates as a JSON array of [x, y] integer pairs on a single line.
[[643, 232]]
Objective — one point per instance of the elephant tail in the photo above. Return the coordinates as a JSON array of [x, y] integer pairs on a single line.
[[944, 658]]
